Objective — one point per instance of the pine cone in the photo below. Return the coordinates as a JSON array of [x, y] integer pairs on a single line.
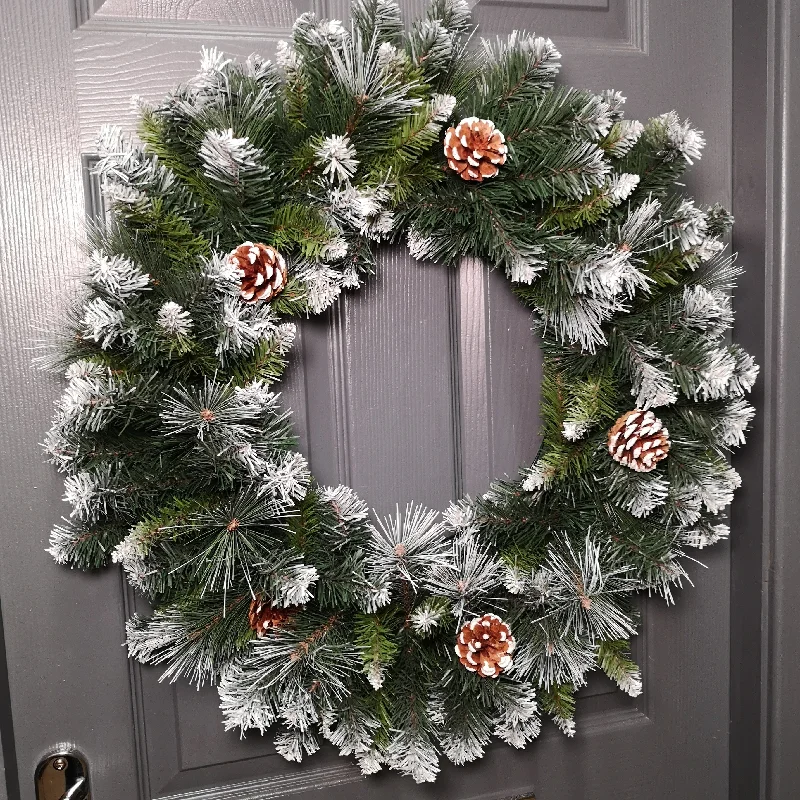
[[262, 270], [638, 440], [264, 618], [485, 646], [475, 149]]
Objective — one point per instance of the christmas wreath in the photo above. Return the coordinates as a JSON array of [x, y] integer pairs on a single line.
[[259, 193]]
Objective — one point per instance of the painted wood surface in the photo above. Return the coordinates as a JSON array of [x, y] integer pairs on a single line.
[[421, 386]]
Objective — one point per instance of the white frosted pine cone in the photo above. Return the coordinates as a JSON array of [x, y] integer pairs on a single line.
[[475, 149], [485, 646], [638, 440], [262, 270]]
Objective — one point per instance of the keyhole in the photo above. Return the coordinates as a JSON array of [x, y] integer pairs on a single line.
[[62, 776]]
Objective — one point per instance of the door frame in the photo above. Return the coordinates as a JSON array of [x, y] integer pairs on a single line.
[[765, 640]]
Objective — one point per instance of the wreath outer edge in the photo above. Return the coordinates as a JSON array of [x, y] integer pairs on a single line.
[[259, 192]]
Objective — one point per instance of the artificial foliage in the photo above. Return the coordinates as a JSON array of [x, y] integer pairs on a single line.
[[257, 194]]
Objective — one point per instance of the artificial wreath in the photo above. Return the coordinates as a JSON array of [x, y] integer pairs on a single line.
[[259, 194]]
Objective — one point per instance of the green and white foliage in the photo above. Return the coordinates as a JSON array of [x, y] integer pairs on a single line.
[[179, 460]]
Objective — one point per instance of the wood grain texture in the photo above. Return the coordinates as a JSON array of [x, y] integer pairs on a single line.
[[475, 388], [397, 379], [188, 17], [247, 13], [111, 68], [500, 370], [276, 786]]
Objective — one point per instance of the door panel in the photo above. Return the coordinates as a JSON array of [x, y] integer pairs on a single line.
[[420, 387], [606, 25], [392, 341]]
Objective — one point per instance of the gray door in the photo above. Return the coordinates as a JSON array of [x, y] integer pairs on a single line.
[[421, 387]]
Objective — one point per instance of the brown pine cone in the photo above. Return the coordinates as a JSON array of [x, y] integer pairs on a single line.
[[264, 618], [638, 440], [262, 270], [475, 149], [485, 646]]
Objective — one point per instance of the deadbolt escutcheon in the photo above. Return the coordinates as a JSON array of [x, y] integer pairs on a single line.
[[62, 775]]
